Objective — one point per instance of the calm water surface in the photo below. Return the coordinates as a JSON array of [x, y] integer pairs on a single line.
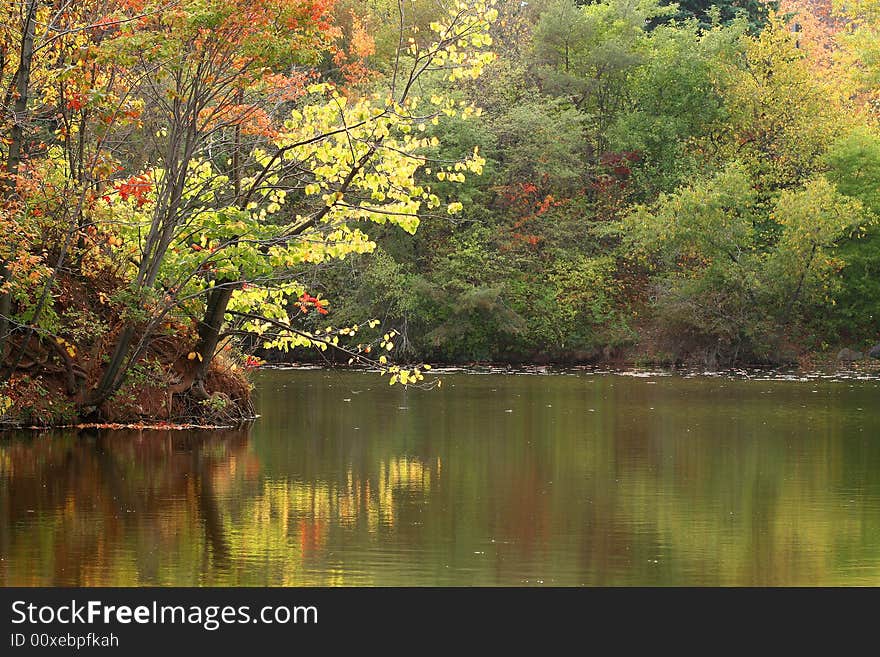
[[578, 479]]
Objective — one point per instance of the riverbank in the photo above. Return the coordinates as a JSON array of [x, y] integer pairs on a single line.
[[149, 402], [150, 398]]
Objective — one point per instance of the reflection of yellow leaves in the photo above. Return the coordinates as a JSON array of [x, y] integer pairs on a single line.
[[283, 509], [194, 355]]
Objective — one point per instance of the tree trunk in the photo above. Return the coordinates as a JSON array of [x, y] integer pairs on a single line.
[[157, 243], [22, 86], [16, 146], [209, 331], [5, 313]]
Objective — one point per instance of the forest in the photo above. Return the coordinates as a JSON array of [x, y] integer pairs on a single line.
[[193, 188]]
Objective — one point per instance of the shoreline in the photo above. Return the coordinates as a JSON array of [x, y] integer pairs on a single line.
[[821, 369]]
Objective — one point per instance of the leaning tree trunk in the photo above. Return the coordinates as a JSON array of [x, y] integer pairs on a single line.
[[157, 244], [219, 296], [209, 332]]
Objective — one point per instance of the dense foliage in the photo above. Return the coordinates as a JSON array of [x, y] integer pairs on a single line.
[[186, 183], [661, 184], [175, 172]]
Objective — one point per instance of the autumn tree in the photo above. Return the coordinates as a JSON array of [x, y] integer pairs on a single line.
[[215, 167]]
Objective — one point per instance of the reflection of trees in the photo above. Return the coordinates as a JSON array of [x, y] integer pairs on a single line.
[[713, 486], [729, 484], [116, 507], [293, 528], [127, 508]]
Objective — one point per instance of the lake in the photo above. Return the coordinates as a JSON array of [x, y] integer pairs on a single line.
[[576, 478]]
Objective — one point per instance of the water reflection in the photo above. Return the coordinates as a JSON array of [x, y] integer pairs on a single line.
[[118, 507], [492, 480]]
